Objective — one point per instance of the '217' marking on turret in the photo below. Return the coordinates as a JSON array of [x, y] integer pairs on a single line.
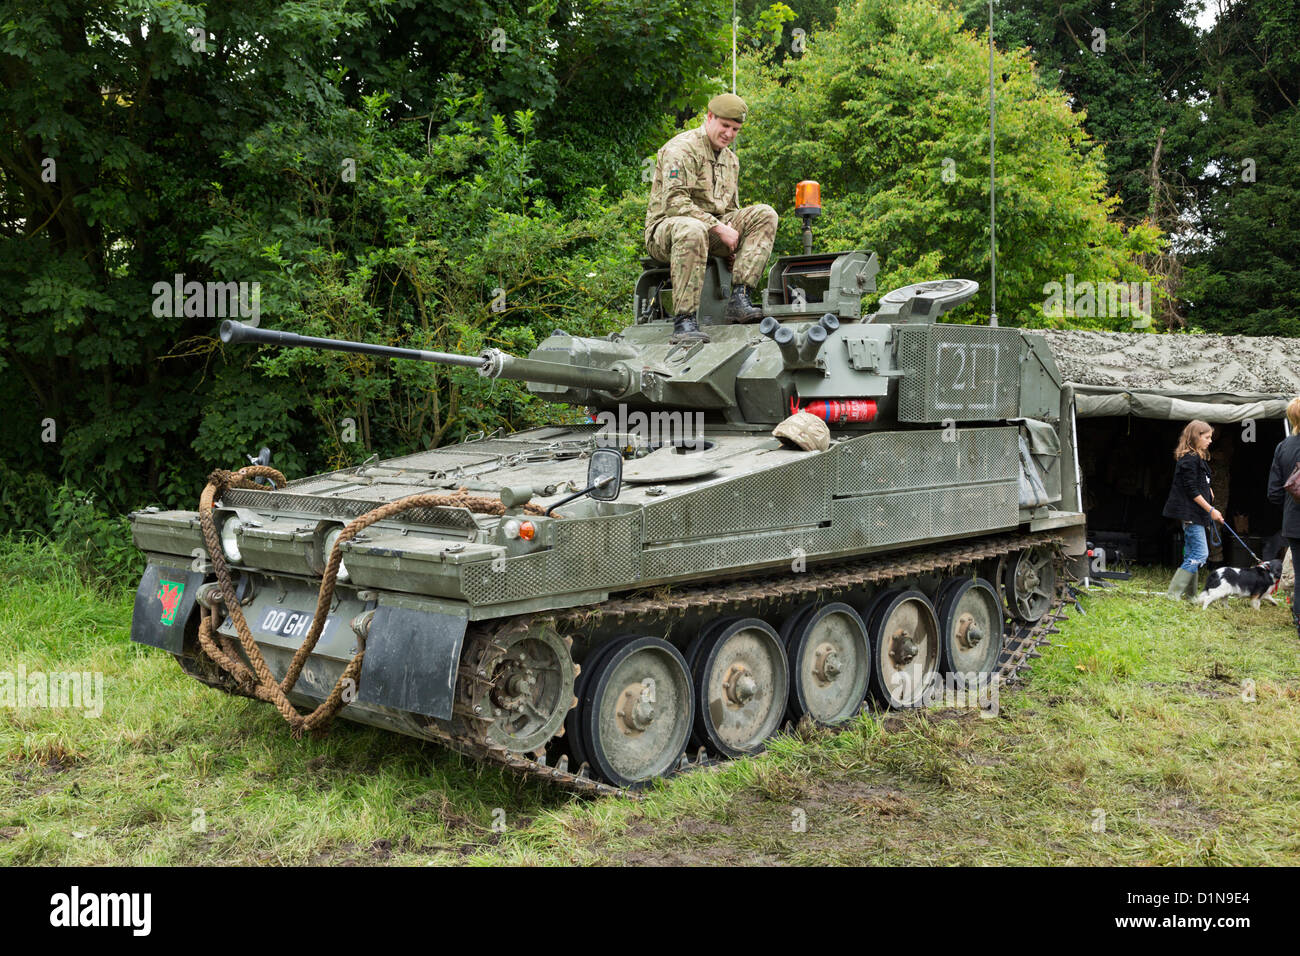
[[955, 370]]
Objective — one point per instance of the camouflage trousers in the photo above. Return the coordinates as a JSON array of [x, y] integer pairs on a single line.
[[686, 244]]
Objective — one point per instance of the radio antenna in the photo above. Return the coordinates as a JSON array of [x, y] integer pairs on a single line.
[[993, 220], [733, 46]]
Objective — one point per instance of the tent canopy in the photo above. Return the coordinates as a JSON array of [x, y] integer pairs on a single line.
[[1216, 378]]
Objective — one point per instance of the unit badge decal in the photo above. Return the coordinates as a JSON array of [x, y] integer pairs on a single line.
[[169, 593]]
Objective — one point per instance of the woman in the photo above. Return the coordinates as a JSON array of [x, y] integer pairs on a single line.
[[1190, 500], [1285, 457]]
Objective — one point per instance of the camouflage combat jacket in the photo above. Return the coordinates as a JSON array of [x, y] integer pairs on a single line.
[[691, 181]]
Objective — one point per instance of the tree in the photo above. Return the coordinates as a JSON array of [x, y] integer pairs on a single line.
[[1244, 274], [602, 77], [889, 111], [1130, 68], [444, 242], [138, 142], [113, 119]]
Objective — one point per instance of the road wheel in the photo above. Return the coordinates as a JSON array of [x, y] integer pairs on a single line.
[[830, 664], [905, 638], [972, 626], [742, 686], [636, 711]]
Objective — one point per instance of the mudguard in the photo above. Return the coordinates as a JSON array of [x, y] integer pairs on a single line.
[[411, 660], [163, 604]]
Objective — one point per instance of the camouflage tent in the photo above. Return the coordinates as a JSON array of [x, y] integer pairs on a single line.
[[1135, 391], [1216, 378]]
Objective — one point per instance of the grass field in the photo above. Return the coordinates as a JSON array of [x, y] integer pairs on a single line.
[[1149, 734]]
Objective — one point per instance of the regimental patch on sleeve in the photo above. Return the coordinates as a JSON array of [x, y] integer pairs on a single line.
[[675, 173]]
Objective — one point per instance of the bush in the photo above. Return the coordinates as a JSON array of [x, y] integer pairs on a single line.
[[445, 242], [97, 543], [24, 500]]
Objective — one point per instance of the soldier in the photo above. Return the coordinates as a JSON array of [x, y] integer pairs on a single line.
[[695, 211]]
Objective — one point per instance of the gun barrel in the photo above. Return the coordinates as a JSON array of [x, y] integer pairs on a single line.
[[234, 333], [502, 365], [493, 363]]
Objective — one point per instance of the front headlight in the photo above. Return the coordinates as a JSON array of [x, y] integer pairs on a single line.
[[230, 539], [330, 538]]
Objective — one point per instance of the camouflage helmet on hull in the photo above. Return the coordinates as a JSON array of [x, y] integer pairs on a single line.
[[806, 430]]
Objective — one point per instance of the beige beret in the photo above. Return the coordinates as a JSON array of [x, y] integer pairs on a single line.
[[728, 106]]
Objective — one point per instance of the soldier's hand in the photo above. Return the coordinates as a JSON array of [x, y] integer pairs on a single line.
[[728, 236]]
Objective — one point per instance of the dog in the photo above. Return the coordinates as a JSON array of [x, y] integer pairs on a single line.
[[1276, 546], [1258, 582]]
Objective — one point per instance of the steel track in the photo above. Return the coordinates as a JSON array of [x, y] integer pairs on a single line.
[[483, 651]]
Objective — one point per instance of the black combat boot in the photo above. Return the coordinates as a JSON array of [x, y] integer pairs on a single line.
[[740, 309], [686, 331]]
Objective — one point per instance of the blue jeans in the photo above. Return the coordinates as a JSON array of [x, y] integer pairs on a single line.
[[1295, 589], [1195, 550]]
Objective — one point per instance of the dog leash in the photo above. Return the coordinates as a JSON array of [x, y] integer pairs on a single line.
[[1253, 555]]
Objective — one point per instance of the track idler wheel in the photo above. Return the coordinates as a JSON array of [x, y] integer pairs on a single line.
[[1029, 582]]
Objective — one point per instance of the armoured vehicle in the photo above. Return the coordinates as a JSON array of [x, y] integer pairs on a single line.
[[594, 602]]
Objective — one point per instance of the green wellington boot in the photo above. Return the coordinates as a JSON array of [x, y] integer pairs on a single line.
[[1179, 585]]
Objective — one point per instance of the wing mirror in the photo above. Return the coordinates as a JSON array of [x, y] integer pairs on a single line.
[[605, 474], [604, 478]]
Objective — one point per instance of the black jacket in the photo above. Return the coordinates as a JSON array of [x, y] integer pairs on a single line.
[[1285, 457], [1191, 478]]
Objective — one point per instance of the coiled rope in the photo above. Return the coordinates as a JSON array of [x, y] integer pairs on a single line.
[[259, 682]]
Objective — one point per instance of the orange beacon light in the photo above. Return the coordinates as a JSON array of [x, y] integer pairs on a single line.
[[808, 204], [807, 198]]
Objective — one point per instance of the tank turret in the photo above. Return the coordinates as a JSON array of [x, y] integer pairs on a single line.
[[898, 361]]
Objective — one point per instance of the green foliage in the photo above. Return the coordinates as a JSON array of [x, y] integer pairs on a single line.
[[1128, 66], [445, 242], [1180, 113], [771, 25], [604, 78], [23, 499], [760, 20], [96, 543], [113, 118], [145, 139], [1243, 275], [889, 112], [774, 32]]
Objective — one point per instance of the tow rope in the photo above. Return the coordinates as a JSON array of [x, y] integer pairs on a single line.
[[259, 682]]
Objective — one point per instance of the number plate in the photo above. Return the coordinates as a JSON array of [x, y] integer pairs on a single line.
[[287, 622]]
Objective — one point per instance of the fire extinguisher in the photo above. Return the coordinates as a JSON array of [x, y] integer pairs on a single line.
[[839, 412]]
